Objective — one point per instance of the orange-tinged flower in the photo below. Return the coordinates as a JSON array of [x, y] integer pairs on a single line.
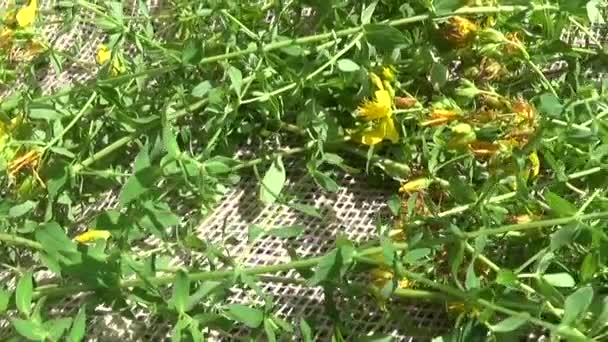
[[440, 116], [490, 70], [513, 43], [459, 30], [26, 15], [6, 39], [30, 159], [524, 110], [405, 102], [484, 148]]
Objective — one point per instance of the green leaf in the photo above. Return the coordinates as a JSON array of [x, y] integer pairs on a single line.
[[559, 205], [384, 37], [306, 209], [368, 12], [347, 65], [443, 6], [559, 279], [201, 89], [236, 79], [44, 112], [31, 330], [506, 277], [286, 232], [414, 255], [394, 204], [251, 317], [54, 240], [562, 237], [551, 105], [5, 297], [577, 304], [471, 280], [21, 209], [589, 266], [602, 318], [388, 251], [181, 291], [78, 326], [326, 268], [57, 327], [269, 329], [273, 182], [594, 11], [170, 141], [439, 75], [305, 330], [509, 324], [137, 185], [325, 181], [23, 294]]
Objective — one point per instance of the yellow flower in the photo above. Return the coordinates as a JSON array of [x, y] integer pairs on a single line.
[[385, 129], [460, 30], [378, 108], [535, 163], [26, 15], [103, 55], [415, 185], [92, 235], [388, 72]]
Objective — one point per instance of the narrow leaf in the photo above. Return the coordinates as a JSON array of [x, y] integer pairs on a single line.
[[23, 294], [509, 324], [251, 317], [273, 182], [181, 291], [78, 326], [577, 304]]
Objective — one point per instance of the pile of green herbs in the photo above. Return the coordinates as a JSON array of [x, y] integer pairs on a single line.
[[498, 159]]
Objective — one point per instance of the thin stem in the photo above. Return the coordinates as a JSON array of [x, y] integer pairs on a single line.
[[61, 290], [310, 76], [337, 34], [14, 240], [73, 122], [535, 225]]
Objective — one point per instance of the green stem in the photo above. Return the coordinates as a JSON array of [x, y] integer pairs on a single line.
[[346, 32], [534, 225], [61, 290], [127, 139], [72, 123], [495, 307], [14, 240]]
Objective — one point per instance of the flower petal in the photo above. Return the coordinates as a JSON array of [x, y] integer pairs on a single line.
[[374, 136], [103, 54], [383, 98], [92, 235], [390, 132], [26, 15]]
